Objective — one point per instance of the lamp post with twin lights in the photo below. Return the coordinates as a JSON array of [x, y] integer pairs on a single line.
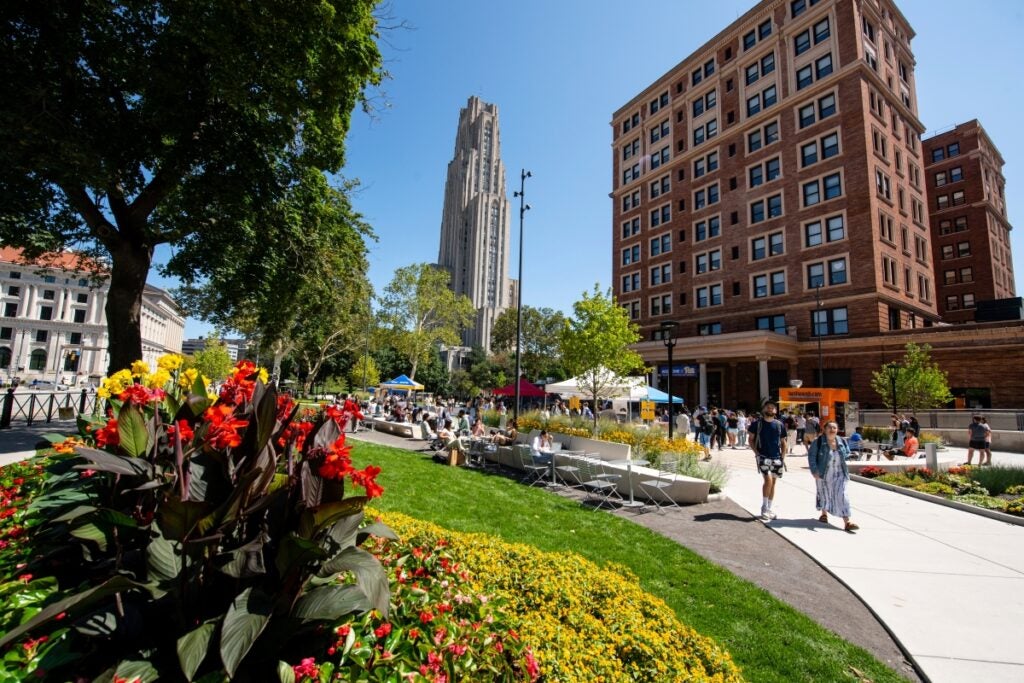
[[668, 338], [523, 208]]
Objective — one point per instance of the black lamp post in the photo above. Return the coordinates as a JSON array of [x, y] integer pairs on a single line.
[[523, 208], [817, 329], [668, 338], [892, 370]]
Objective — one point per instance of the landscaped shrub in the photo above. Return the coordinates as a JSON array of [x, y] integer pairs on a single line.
[[584, 623], [935, 488], [997, 479], [872, 472], [1015, 490], [987, 502], [19, 483]]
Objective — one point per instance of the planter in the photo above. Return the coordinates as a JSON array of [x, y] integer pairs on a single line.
[[964, 507]]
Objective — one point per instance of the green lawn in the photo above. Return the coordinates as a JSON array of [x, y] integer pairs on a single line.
[[769, 640]]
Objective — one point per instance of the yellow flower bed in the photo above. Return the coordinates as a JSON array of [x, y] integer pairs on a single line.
[[585, 624]]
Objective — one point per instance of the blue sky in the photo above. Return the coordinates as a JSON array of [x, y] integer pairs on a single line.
[[558, 70]]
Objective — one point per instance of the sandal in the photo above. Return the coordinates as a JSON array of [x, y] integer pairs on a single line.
[[824, 518], [850, 526]]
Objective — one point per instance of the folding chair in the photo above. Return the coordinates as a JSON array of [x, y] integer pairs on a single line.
[[599, 482], [533, 472], [656, 490]]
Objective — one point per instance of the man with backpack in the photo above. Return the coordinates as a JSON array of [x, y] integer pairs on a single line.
[[767, 439]]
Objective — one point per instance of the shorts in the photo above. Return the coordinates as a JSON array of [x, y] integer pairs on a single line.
[[770, 466], [977, 443]]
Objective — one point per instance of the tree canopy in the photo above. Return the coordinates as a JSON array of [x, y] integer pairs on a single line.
[[920, 382], [421, 313], [541, 355], [207, 125], [595, 345]]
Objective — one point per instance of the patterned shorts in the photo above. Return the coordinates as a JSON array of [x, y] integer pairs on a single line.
[[772, 466]]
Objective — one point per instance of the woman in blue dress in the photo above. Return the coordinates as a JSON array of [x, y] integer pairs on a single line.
[[827, 460]]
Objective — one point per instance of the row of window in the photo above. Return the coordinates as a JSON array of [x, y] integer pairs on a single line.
[[48, 279], [45, 312], [944, 201], [49, 294], [954, 302], [948, 152], [825, 273], [824, 322], [953, 175]]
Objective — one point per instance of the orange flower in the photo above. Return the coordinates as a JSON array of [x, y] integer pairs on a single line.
[[108, 436], [224, 428]]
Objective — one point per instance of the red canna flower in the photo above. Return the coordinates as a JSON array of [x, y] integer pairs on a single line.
[[186, 431], [108, 436], [140, 395], [224, 428]]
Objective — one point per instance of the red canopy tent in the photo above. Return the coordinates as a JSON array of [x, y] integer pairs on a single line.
[[526, 389]]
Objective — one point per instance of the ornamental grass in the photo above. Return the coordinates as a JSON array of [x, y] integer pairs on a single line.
[[584, 623]]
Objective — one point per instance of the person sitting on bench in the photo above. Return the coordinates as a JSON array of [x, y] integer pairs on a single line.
[[909, 449]]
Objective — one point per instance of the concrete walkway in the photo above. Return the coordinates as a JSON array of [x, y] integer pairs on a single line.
[[948, 584]]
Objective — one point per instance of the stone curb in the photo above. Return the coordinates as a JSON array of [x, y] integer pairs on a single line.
[[963, 507]]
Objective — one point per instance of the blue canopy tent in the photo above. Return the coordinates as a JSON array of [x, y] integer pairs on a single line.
[[402, 383], [652, 394]]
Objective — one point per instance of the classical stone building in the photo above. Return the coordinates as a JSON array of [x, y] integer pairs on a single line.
[[769, 200], [475, 222], [970, 230], [54, 326]]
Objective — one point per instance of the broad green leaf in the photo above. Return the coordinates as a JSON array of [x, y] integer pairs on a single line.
[[55, 438], [142, 671], [78, 601], [179, 517], [131, 428], [347, 512], [294, 552], [285, 672], [100, 534], [99, 624], [75, 512], [193, 648], [331, 602], [243, 623], [375, 529], [265, 399], [59, 499], [163, 562], [370, 575], [244, 562]]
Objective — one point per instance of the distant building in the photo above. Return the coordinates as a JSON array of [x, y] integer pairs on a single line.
[[237, 348], [475, 221], [970, 231], [54, 325]]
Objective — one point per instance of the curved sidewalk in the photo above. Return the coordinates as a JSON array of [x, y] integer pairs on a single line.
[[948, 584]]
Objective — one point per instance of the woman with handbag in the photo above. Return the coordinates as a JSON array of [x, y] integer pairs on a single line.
[[826, 458]]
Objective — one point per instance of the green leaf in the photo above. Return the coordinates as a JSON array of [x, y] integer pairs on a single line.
[[99, 534], [131, 428], [331, 602], [244, 562], [58, 500], [193, 648], [55, 438], [179, 517], [370, 575], [243, 623], [348, 513], [78, 601], [265, 398], [295, 551], [375, 529], [163, 562], [285, 672], [140, 670], [74, 513]]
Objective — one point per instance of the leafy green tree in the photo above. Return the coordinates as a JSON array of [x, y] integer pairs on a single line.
[[209, 126], [920, 382], [364, 373], [213, 360], [595, 345], [540, 354], [421, 312]]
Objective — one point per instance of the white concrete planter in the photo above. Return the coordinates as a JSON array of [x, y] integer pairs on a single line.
[[964, 507]]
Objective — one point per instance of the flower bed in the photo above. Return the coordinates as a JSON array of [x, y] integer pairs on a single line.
[[959, 484]]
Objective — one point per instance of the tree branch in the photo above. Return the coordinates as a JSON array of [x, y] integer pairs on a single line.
[[91, 214]]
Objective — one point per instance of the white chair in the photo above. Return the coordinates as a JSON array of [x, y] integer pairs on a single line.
[[599, 482], [656, 489], [533, 471]]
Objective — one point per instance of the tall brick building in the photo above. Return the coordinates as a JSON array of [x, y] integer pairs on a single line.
[[970, 231], [769, 197]]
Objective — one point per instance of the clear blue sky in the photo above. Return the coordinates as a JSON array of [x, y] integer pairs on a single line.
[[558, 70]]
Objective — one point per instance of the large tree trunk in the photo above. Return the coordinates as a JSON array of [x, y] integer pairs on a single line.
[[124, 303]]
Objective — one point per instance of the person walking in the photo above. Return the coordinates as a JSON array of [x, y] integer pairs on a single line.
[[977, 431], [826, 457], [767, 439]]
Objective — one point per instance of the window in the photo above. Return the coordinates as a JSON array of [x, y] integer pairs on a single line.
[[762, 247], [82, 298], [630, 201], [630, 123], [709, 296], [659, 103], [956, 174], [968, 300], [50, 279], [706, 329], [660, 157], [630, 283], [13, 291], [822, 189], [769, 284], [660, 131], [661, 244], [761, 67], [37, 360], [817, 232], [958, 198], [708, 261], [705, 164], [889, 271], [79, 315], [10, 310], [631, 255], [707, 229], [830, 321], [46, 312], [882, 184], [705, 132], [837, 271], [963, 249], [938, 154], [6, 332], [630, 174], [661, 274], [953, 150], [885, 228], [940, 179], [802, 42], [821, 31], [41, 335], [966, 274], [822, 67], [15, 275], [49, 295], [706, 196], [798, 7], [924, 287], [762, 100], [661, 305], [952, 302], [661, 215], [772, 323], [762, 137], [660, 187], [630, 228], [630, 149]]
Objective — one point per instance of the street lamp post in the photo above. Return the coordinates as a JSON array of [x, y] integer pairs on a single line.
[[523, 208], [668, 338], [817, 329], [893, 371]]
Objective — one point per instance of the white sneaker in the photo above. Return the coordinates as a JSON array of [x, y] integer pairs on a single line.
[[767, 515]]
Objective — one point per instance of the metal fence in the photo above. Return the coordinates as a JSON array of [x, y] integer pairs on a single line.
[[32, 406]]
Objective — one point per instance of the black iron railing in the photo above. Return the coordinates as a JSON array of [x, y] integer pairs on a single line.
[[30, 406]]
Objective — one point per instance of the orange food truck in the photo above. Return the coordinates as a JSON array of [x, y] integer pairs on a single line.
[[828, 404]]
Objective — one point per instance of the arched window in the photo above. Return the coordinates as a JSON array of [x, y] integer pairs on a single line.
[[5, 357], [37, 361]]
